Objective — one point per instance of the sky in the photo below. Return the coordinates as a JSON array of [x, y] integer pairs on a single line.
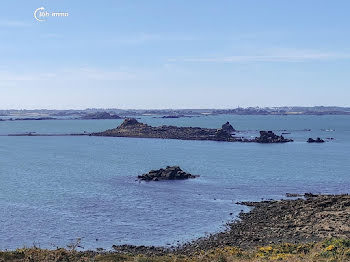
[[174, 54]]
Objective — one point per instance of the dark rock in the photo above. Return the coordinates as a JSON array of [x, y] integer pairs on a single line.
[[172, 116], [228, 128], [169, 173], [270, 137], [293, 195], [309, 195], [317, 140], [222, 135]]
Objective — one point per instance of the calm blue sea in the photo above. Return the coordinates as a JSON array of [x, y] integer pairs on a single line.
[[54, 190]]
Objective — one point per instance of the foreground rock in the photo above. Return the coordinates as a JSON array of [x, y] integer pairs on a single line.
[[270, 137], [314, 218], [132, 128], [169, 173], [317, 140]]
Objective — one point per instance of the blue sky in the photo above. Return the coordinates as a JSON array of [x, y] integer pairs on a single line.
[[175, 54]]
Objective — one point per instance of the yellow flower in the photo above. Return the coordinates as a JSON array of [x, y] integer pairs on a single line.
[[330, 248], [280, 256], [266, 249]]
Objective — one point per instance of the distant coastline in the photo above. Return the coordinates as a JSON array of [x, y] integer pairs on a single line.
[[114, 113]]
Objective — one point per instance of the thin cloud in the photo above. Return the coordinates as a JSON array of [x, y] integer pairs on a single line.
[[14, 23], [97, 74], [52, 35], [14, 76], [68, 74], [281, 57], [149, 37]]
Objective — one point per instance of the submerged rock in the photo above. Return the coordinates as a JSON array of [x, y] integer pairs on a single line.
[[270, 137], [169, 173], [317, 140], [172, 116]]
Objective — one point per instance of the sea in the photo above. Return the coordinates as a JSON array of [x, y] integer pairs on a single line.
[[59, 190]]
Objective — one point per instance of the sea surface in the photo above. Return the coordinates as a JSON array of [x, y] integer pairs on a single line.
[[54, 190]]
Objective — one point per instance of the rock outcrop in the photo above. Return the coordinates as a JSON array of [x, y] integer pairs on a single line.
[[317, 140], [270, 137], [228, 128], [169, 173]]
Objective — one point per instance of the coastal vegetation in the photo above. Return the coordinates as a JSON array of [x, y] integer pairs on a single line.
[[322, 251]]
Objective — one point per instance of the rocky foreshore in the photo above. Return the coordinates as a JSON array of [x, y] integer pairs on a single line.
[[132, 128], [312, 218]]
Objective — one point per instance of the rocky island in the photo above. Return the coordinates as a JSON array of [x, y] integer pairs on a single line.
[[169, 173], [100, 115], [132, 128]]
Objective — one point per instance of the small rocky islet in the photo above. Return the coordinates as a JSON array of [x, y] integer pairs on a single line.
[[169, 173], [317, 140], [133, 128]]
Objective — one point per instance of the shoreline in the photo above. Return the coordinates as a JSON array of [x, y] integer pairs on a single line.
[[310, 219], [296, 221]]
